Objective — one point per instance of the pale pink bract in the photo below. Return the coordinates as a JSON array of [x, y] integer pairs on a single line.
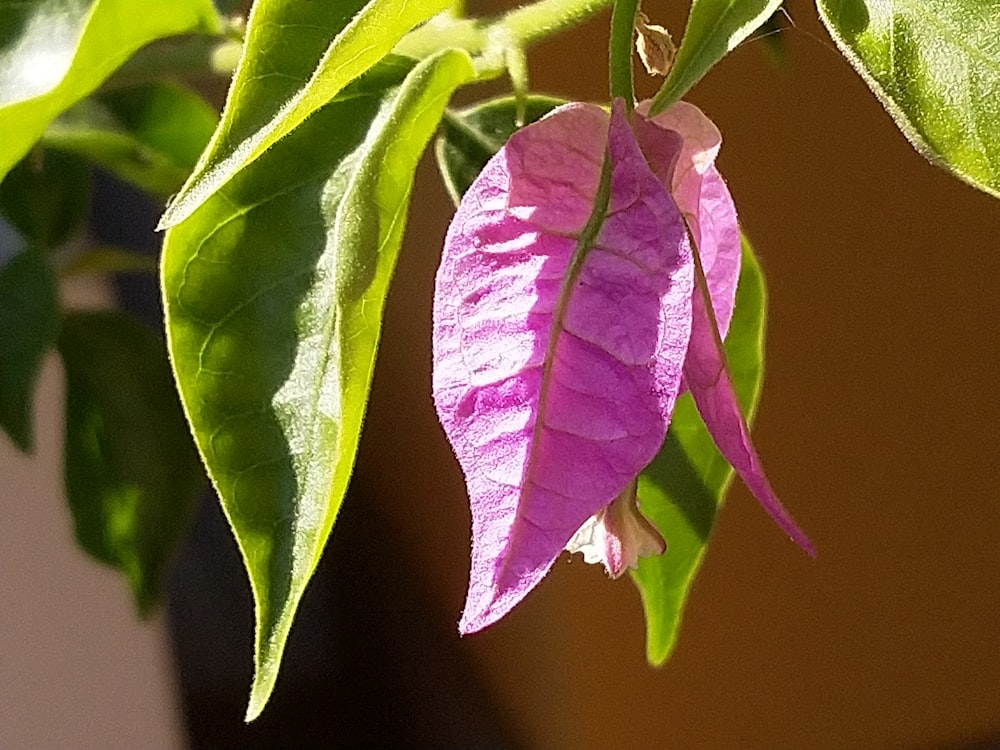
[[704, 200]]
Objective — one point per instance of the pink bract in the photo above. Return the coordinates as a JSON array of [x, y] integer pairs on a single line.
[[569, 310], [557, 357], [708, 209]]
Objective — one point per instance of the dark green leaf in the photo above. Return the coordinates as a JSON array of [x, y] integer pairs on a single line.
[[682, 490], [150, 136], [132, 473], [29, 324], [935, 66], [274, 290], [714, 29], [470, 137], [297, 57], [55, 52], [46, 197]]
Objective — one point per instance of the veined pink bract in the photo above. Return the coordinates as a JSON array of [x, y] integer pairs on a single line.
[[563, 320]]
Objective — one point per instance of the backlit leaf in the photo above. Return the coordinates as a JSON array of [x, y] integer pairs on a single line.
[[935, 66], [55, 52], [274, 290], [297, 57]]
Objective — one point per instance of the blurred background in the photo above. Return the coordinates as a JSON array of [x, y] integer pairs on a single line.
[[878, 425]]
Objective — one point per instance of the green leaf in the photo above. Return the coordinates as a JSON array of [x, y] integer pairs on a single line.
[[274, 294], [683, 489], [55, 52], [150, 136], [470, 137], [935, 66], [29, 324], [108, 259], [132, 474], [297, 57], [46, 197], [714, 29]]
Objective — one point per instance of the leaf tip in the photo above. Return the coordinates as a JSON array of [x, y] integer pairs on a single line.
[[659, 643], [271, 638], [173, 215], [260, 691]]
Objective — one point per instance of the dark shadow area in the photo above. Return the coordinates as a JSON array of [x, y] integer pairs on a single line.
[[369, 663], [983, 742]]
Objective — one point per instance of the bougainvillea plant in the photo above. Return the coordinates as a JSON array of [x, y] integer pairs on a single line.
[[598, 315]]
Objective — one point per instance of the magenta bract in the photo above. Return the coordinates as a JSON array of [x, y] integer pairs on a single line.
[[566, 311], [708, 209]]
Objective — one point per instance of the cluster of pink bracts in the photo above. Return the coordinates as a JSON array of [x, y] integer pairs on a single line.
[[570, 312]]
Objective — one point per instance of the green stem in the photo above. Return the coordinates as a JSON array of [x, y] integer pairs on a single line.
[[443, 31], [491, 39], [544, 18], [620, 51]]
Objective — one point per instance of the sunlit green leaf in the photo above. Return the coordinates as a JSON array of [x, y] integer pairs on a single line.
[[132, 473], [682, 490], [46, 197], [935, 66], [297, 57], [274, 290], [29, 323], [714, 29], [55, 52], [150, 136], [470, 137]]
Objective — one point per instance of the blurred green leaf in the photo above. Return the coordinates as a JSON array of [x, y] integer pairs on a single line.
[[470, 137], [683, 489], [46, 197], [150, 136], [274, 293], [55, 52], [297, 57], [29, 324], [935, 66], [132, 473], [108, 259], [714, 29]]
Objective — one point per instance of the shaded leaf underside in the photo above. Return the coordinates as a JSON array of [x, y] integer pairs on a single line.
[[682, 490]]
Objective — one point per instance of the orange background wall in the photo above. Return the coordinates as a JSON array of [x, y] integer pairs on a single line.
[[877, 425]]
